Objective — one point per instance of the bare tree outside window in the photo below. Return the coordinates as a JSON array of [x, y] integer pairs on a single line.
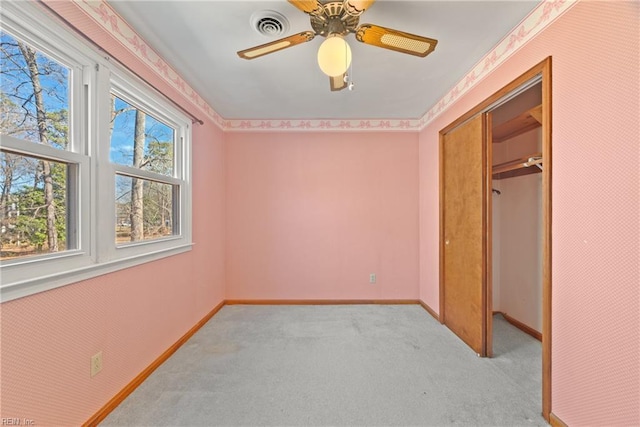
[[77, 202], [34, 92], [144, 208]]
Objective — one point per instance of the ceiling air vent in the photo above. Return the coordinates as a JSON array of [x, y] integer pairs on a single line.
[[269, 23]]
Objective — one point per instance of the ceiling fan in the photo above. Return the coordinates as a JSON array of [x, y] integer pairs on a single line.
[[334, 20]]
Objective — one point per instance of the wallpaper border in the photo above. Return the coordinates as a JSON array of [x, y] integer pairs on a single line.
[[539, 18]]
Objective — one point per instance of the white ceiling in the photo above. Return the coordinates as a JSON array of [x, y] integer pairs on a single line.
[[200, 40]]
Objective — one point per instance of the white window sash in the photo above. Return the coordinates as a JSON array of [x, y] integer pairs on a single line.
[[92, 79]]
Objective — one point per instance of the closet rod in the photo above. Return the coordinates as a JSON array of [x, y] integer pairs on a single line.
[[530, 160], [534, 161]]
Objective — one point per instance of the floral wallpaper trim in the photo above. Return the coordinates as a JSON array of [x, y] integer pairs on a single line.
[[321, 125], [539, 18], [544, 14], [104, 15]]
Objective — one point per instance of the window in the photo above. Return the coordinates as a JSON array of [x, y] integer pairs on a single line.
[[145, 208], [33, 217], [84, 190], [34, 195], [149, 167]]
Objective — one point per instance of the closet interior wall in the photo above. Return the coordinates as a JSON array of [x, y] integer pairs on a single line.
[[517, 217]]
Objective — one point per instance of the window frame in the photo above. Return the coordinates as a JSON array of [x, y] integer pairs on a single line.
[[92, 187], [122, 84]]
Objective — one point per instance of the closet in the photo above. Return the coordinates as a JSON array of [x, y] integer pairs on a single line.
[[495, 164], [517, 220]]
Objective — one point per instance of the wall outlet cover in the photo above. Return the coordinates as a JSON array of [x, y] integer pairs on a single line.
[[96, 363]]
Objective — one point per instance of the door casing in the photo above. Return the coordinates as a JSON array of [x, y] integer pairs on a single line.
[[543, 70]]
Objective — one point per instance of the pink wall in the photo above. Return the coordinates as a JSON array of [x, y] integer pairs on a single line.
[[596, 319], [310, 215], [132, 316]]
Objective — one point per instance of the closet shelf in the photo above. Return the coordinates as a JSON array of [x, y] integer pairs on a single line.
[[525, 122], [516, 167]]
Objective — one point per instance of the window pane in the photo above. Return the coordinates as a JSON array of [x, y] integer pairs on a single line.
[[140, 140], [33, 206], [34, 94], [144, 209]]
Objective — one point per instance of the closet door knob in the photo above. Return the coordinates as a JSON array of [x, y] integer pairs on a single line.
[[446, 242]]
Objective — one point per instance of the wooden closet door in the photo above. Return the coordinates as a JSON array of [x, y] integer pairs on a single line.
[[463, 285]]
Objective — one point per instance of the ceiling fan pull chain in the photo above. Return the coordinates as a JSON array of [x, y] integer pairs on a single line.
[[348, 76]]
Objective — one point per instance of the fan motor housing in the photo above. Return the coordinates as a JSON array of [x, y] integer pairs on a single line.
[[334, 20]]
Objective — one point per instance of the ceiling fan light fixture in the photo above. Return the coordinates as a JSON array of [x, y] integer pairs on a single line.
[[335, 19], [334, 56]]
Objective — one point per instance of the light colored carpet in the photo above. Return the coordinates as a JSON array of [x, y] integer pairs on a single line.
[[350, 365]]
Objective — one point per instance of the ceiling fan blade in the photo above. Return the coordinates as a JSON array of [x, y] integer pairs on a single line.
[[395, 40], [337, 82], [356, 7], [312, 7], [277, 45]]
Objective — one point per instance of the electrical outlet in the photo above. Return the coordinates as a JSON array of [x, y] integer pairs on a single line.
[[372, 278], [96, 363]]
